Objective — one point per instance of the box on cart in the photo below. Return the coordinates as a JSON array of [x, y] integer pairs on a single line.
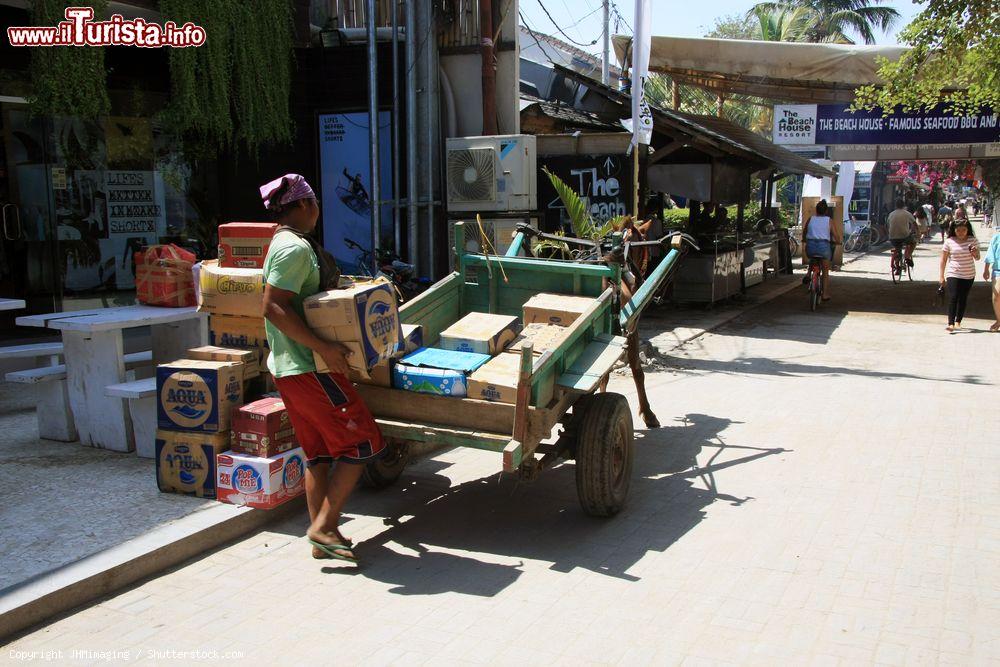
[[561, 309], [435, 371], [260, 482], [482, 333], [262, 428], [197, 395], [497, 379], [185, 461], [543, 337], [245, 244]]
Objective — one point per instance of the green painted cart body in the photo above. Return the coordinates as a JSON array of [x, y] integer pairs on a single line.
[[552, 388]]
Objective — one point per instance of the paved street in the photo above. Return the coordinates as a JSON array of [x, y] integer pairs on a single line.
[[824, 490]]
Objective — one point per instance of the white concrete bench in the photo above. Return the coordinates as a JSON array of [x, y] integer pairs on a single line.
[[141, 396], [32, 351], [55, 418]]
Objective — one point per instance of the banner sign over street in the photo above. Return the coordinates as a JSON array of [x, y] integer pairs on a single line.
[[833, 124]]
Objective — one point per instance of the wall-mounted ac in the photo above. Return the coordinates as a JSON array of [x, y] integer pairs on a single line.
[[494, 173]]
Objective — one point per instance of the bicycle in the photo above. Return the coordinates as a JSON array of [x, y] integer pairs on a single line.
[[815, 276], [897, 264]]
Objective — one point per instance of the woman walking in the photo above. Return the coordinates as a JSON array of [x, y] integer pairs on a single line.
[[958, 269], [992, 272]]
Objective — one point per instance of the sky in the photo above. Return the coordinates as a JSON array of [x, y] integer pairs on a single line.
[[581, 19]]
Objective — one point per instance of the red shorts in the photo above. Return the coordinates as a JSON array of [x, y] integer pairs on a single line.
[[330, 419]]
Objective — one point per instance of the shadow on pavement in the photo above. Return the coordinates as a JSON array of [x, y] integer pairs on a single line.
[[501, 519]]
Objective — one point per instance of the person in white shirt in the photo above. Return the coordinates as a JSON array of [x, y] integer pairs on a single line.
[[818, 236]]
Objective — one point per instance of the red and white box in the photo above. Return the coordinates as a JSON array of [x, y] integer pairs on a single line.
[[259, 482], [262, 428], [244, 245]]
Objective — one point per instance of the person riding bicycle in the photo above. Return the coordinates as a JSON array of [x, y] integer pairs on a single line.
[[903, 230], [819, 236]]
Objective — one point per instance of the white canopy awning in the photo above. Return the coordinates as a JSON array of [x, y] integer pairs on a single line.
[[789, 71]]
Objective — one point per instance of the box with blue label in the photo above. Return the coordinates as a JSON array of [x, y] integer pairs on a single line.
[[197, 395], [483, 333], [363, 316], [435, 371], [260, 482], [185, 461]]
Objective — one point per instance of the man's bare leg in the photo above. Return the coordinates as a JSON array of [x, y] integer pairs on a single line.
[[342, 482], [317, 481]]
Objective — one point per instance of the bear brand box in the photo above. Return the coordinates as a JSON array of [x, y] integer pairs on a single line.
[[225, 291], [362, 316], [185, 461], [558, 309], [197, 395], [244, 244], [247, 357], [482, 333], [435, 371], [259, 482], [262, 428]]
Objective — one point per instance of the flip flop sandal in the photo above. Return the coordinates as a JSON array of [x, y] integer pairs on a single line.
[[331, 551]]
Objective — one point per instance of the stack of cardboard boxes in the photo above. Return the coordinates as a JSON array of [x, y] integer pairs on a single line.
[[546, 321], [232, 293]]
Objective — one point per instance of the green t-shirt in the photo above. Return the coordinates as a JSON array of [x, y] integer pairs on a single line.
[[290, 265]]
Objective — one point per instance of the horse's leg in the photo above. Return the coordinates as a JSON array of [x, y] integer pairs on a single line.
[[640, 381]]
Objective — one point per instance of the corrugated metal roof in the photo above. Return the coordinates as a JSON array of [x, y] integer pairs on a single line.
[[568, 115], [718, 132]]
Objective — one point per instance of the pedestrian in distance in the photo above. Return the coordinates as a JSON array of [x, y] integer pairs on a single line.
[[332, 423], [819, 238], [945, 214], [923, 223], [991, 272], [958, 269]]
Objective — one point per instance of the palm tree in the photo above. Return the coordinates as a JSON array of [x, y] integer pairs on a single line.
[[834, 20], [777, 23]]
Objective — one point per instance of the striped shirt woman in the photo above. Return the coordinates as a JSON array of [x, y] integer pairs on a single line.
[[958, 269]]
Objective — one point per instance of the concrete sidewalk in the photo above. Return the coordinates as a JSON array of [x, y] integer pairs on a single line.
[[823, 491]]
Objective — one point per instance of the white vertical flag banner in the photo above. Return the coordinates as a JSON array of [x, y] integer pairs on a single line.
[[642, 117]]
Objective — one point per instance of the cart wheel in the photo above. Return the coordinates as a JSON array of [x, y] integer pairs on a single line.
[[386, 470], [604, 454]]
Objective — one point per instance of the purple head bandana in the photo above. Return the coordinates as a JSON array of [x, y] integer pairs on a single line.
[[298, 188]]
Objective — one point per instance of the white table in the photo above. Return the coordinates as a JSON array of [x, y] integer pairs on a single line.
[[95, 358], [12, 304]]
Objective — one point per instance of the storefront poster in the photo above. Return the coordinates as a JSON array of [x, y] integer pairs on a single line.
[[345, 174], [135, 218], [835, 124]]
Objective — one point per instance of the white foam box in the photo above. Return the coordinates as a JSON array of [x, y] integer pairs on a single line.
[[558, 309], [263, 483], [482, 333]]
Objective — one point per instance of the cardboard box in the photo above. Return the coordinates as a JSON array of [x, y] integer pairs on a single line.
[[380, 374], [436, 371], [558, 309], [413, 338], [496, 380], [363, 316], [543, 337], [242, 333], [197, 395], [185, 461], [245, 244], [262, 428], [249, 358], [260, 482], [226, 291], [482, 333]]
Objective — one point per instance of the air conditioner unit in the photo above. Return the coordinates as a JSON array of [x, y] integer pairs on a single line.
[[499, 231], [494, 173]]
